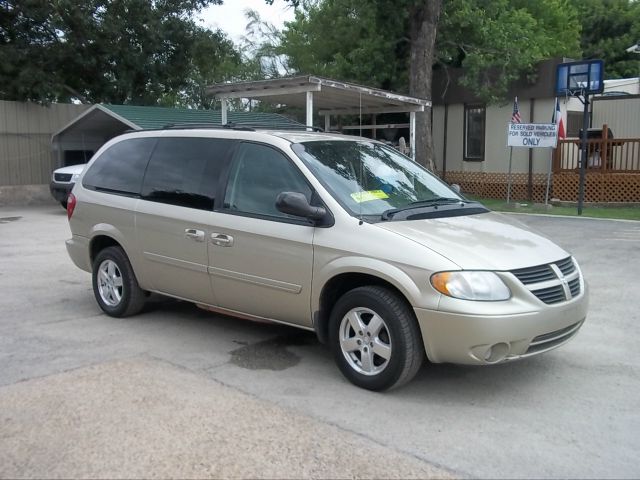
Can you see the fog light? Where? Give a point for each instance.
(496, 352)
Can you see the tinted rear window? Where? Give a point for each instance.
(185, 171)
(121, 167)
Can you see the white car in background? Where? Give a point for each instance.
(62, 182)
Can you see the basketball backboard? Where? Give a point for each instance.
(584, 77)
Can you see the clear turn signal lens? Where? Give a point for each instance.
(471, 285)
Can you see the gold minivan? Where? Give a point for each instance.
(336, 234)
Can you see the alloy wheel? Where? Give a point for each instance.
(365, 341)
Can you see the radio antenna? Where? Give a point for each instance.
(361, 180)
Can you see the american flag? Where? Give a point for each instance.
(515, 116)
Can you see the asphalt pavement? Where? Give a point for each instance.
(180, 392)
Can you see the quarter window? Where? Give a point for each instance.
(120, 168)
(259, 174)
(474, 128)
(185, 171)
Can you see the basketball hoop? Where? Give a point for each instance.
(581, 79)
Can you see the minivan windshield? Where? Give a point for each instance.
(369, 178)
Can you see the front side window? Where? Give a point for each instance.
(474, 128)
(120, 168)
(185, 171)
(368, 178)
(258, 175)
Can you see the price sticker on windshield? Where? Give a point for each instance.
(367, 196)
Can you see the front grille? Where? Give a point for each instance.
(566, 266)
(552, 283)
(552, 339)
(536, 274)
(550, 295)
(62, 177)
(574, 286)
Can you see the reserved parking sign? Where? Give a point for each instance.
(532, 135)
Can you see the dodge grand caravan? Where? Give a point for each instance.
(336, 234)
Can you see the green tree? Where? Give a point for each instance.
(213, 58)
(498, 41)
(350, 40)
(382, 43)
(609, 27)
(117, 51)
(396, 44)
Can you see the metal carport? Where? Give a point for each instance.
(330, 97)
(89, 131)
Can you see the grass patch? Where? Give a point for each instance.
(499, 205)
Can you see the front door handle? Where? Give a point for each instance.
(221, 239)
(193, 234)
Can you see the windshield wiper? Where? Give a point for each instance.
(436, 201)
(432, 202)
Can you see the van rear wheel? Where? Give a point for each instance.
(115, 285)
(375, 338)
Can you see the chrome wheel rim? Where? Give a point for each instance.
(110, 283)
(365, 341)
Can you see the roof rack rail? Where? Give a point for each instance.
(227, 126)
(279, 127)
(249, 127)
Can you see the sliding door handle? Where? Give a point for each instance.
(221, 239)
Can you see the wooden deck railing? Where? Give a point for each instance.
(619, 155)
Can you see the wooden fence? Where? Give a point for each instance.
(618, 155)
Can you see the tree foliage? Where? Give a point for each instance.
(396, 44)
(359, 40)
(609, 27)
(368, 40)
(117, 51)
(494, 41)
(497, 42)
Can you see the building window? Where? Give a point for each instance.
(574, 124)
(474, 127)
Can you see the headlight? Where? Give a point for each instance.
(75, 177)
(469, 285)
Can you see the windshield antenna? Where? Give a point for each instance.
(361, 167)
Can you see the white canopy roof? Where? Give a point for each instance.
(329, 97)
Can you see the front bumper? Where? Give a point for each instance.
(60, 191)
(487, 339)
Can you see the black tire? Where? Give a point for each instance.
(121, 300)
(402, 332)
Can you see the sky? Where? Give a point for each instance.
(230, 15)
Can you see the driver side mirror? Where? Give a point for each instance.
(294, 203)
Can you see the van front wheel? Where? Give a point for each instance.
(375, 338)
(115, 285)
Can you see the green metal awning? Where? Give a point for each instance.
(96, 125)
(159, 117)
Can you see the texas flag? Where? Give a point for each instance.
(557, 119)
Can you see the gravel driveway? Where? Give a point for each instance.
(179, 392)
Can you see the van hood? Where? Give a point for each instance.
(487, 241)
